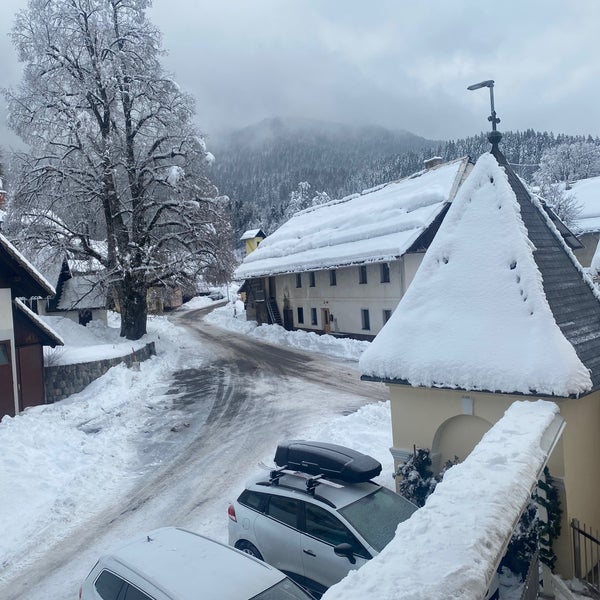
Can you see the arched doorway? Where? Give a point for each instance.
(457, 437)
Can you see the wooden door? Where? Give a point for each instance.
(326, 320)
(30, 370)
(7, 398)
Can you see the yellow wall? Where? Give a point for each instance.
(252, 244)
(452, 422)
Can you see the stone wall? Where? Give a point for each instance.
(63, 380)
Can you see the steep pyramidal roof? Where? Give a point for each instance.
(498, 304)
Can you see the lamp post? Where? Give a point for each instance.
(488, 83)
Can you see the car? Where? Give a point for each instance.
(318, 515)
(215, 295)
(175, 564)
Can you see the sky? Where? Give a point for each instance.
(403, 65)
(83, 456)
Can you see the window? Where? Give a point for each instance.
(311, 279)
(4, 354)
(132, 593)
(387, 313)
(254, 500)
(284, 510)
(313, 316)
(362, 274)
(329, 529)
(332, 277)
(298, 280)
(300, 314)
(385, 273)
(108, 585)
(366, 323)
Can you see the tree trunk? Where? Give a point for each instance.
(134, 308)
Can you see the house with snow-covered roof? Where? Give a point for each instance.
(587, 224)
(341, 267)
(22, 333)
(499, 310)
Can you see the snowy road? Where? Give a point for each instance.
(234, 398)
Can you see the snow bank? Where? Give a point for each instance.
(476, 316)
(450, 548)
(232, 317)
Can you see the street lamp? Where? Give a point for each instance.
(488, 83)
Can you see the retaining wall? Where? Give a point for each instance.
(63, 380)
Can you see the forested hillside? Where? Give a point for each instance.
(260, 167)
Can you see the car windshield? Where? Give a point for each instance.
(377, 515)
(286, 589)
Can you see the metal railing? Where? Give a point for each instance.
(586, 554)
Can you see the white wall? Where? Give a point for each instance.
(346, 299)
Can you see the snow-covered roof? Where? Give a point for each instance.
(252, 233)
(39, 323)
(587, 194)
(45, 287)
(377, 225)
(476, 315)
(451, 547)
(80, 292)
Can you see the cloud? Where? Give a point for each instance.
(395, 63)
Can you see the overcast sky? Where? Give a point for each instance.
(404, 65)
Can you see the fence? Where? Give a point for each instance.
(586, 554)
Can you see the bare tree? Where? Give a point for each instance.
(114, 156)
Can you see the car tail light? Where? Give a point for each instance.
(231, 513)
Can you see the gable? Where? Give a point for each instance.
(18, 274)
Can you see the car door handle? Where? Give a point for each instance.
(309, 552)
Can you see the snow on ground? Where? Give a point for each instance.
(233, 317)
(54, 475)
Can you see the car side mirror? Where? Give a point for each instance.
(345, 549)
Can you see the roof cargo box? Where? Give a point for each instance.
(329, 460)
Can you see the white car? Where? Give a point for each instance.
(318, 516)
(175, 564)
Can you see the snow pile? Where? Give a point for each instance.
(378, 225)
(95, 341)
(61, 463)
(450, 548)
(476, 316)
(232, 317)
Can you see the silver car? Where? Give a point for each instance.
(172, 563)
(316, 535)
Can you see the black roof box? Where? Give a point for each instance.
(330, 460)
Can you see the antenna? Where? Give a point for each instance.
(488, 83)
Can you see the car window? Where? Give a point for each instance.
(108, 585)
(283, 509)
(377, 515)
(286, 589)
(255, 500)
(328, 528)
(132, 593)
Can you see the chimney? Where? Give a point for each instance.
(434, 161)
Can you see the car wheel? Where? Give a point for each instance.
(249, 548)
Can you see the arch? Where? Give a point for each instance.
(457, 436)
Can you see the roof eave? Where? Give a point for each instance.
(533, 394)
